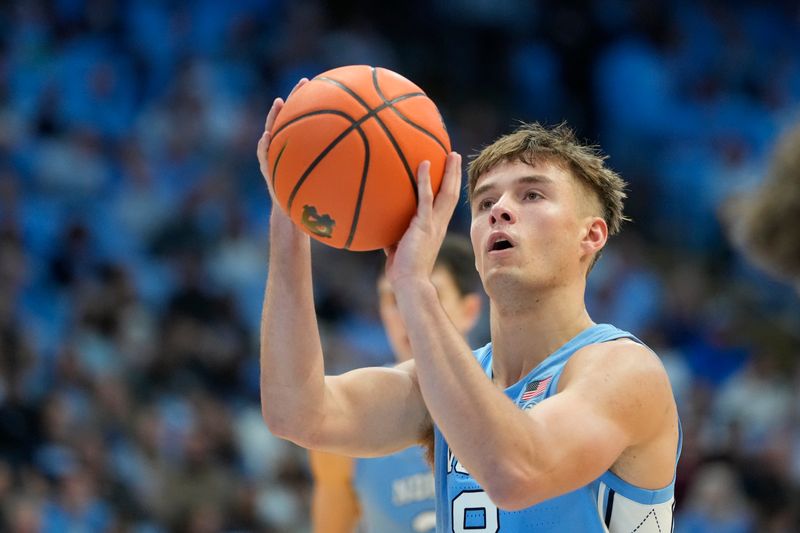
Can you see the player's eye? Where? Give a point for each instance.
(485, 204)
(532, 195)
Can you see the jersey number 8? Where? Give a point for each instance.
(473, 512)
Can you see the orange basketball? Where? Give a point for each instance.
(344, 155)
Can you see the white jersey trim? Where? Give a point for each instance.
(620, 514)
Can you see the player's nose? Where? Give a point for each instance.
(502, 213)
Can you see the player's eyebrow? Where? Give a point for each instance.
(533, 178)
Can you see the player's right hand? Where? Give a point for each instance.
(263, 147)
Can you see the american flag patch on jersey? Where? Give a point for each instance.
(534, 388)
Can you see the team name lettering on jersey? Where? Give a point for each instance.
(414, 488)
(454, 463)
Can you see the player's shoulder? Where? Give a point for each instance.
(408, 369)
(622, 361)
(623, 351)
(626, 380)
(406, 366)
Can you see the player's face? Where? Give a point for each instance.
(528, 222)
(453, 302)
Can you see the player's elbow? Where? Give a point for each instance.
(276, 422)
(282, 424)
(509, 498)
(288, 422)
(514, 489)
(512, 498)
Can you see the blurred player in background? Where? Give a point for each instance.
(559, 424)
(766, 225)
(395, 493)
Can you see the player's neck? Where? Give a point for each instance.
(522, 337)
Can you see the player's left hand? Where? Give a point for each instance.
(415, 255)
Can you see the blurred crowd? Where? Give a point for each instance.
(133, 236)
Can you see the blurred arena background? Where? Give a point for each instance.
(133, 235)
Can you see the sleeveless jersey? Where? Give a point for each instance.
(396, 493)
(607, 504)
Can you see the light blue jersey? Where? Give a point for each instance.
(608, 504)
(396, 493)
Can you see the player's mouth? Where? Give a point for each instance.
(499, 242)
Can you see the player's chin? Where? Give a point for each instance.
(500, 262)
(518, 279)
(499, 259)
(500, 276)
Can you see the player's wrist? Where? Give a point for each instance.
(283, 232)
(413, 286)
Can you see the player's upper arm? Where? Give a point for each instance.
(613, 397)
(371, 411)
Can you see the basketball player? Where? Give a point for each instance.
(559, 424)
(394, 493)
(765, 224)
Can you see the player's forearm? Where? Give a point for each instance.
(334, 509)
(334, 504)
(484, 429)
(292, 371)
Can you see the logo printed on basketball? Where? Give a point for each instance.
(319, 225)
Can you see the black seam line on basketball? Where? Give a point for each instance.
(361, 189)
(400, 154)
(311, 114)
(355, 125)
(386, 103)
(296, 119)
(278, 160)
(372, 111)
(401, 115)
(355, 95)
(419, 128)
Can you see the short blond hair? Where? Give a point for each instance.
(768, 229)
(533, 143)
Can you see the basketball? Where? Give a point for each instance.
(344, 153)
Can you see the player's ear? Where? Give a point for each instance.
(471, 310)
(595, 235)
